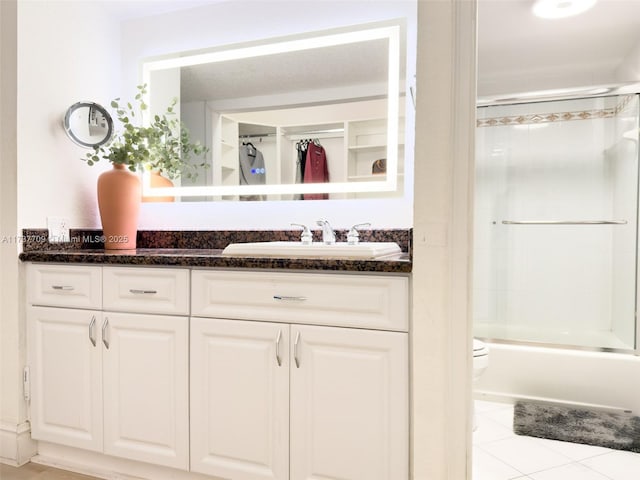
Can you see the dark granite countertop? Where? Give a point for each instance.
(214, 258)
(166, 255)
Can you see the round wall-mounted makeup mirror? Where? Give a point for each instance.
(88, 124)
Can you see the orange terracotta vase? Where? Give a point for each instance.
(119, 192)
(157, 181)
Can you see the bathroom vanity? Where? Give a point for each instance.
(207, 366)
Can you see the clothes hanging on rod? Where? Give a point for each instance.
(252, 169)
(301, 148)
(301, 158)
(316, 169)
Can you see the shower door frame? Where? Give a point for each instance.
(635, 350)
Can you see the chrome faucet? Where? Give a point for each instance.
(306, 238)
(353, 237)
(328, 235)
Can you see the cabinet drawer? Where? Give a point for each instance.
(365, 301)
(146, 290)
(64, 286)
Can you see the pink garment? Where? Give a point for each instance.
(315, 170)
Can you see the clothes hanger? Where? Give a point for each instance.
(252, 149)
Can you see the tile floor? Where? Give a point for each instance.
(500, 454)
(32, 471)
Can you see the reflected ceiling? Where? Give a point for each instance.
(358, 63)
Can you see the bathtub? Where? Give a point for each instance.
(578, 377)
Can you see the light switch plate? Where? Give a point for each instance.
(58, 229)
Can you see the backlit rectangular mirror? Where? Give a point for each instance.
(315, 116)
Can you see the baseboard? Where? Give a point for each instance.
(107, 467)
(16, 445)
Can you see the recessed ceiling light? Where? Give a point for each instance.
(561, 8)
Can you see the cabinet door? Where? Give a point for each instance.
(66, 376)
(145, 365)
(349, 404)
(239, 399)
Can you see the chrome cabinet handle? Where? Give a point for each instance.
(63, 287)
(104, 333)
(137, 291)
(286, 298)
(295, 350)
(92, 337)
(278, 338)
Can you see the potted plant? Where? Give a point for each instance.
(164, 147)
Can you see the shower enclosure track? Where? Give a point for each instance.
(564, 222)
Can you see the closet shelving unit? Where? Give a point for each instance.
(352, 145)
(367, 142)
(226, 170)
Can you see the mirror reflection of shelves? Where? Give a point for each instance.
(226, 149)
(353, 136)
(367, 153)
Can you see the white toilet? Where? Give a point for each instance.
(480, 358)
(480, 364)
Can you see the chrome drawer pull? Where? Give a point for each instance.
(136, 291)
(295, 350)
(285, 298)
(62, 287)
(92, 337)
(278, 359)
(104, 333)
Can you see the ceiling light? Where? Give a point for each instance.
(561, 8)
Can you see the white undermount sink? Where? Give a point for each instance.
(362, 250)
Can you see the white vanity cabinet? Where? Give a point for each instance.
(66, 376)
(284, 388)
(65, 358)
(145, 384)
(104, 378)
(239, 399)
(241, 375)
(349, 404)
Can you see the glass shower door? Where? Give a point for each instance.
(556, 208)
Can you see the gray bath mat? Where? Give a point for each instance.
(578, 425)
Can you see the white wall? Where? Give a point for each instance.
(443, 227)
(68, 51)
(12, 352)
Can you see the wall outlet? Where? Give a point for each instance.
(58, 229)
